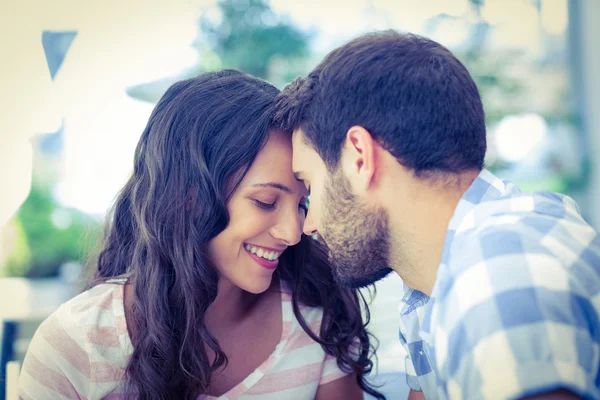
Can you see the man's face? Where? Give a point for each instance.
(356, 235)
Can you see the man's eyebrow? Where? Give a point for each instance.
(274, 185)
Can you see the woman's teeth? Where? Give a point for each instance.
(260, 252)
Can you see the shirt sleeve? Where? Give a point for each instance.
(514, 322)
(55, 366)
(78, 352)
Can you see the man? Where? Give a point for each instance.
(502, 288)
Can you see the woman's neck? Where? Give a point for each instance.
(231, 306)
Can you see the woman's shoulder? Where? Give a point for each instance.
(84, 345)
(98, 307)
(93, 321)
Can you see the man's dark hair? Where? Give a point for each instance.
(412, 94)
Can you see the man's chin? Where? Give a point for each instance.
(358, 282)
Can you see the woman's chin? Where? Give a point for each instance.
(258, 285)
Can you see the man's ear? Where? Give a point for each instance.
(359, 158)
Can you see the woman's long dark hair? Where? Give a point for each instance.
(201, 139)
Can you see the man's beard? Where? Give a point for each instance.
(358, 238)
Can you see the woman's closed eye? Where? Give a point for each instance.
(303, 205)
(263, 205)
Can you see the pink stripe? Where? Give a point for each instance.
(50, 378)
(298, 342)
(301, 338)
(106, 372)
(62, 342)
(287, 329)
(315, 326)
(121, 325)
(287, 379)
(103, 336)
(102, 301)
(118, 294)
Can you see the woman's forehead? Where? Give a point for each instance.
(273, 163)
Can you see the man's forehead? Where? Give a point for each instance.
(300, 151)
(298, 146)
(300, 143)
(304, 157)
(298, 136)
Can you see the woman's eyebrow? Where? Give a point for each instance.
(275, 185)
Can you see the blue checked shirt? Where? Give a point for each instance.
(515, 310)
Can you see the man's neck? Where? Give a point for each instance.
(420, 228)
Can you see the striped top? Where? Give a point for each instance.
(81, 352)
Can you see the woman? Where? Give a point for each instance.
(205, 287)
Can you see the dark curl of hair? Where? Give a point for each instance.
(201, 139)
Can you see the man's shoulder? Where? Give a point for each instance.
(536, 250)
(518, 206)
(523, 223)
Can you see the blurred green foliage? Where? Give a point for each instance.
(248, 35)
(49, 235)
(19, 259)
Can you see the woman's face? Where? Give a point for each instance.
(266, 214)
